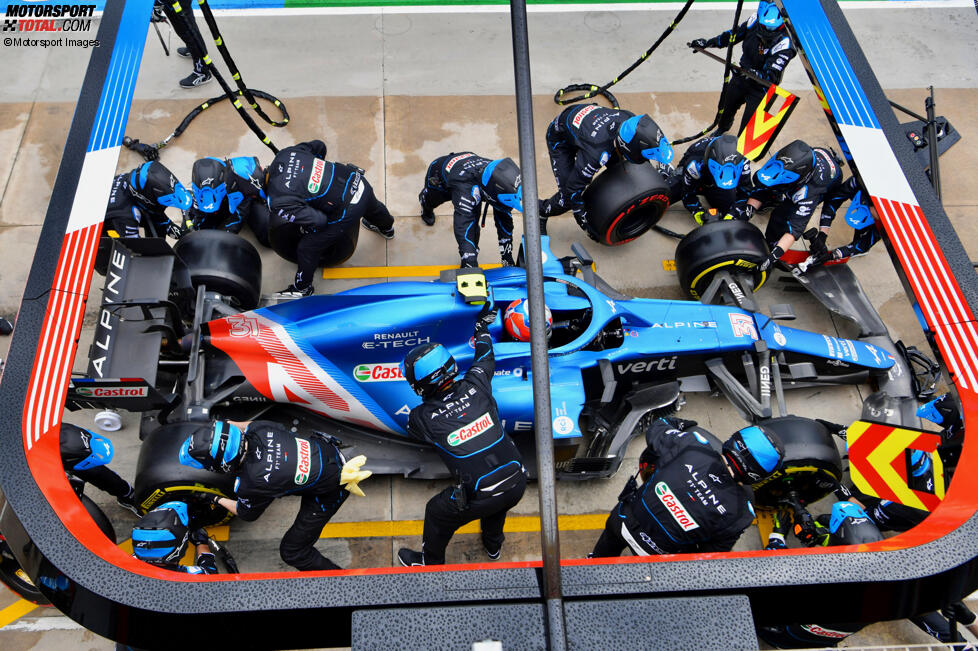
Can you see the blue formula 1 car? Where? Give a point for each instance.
(331, 362)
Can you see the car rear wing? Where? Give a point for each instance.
(135, 313)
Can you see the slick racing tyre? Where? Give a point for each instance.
(160, 477)
(734, 245)
(624, 201)
(284, 238)
(812, 464)
(16, 578)
(224, 262)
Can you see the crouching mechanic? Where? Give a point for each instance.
(692, 498)
(461, 420)
(586, 137)
(271, 461)
(712, 167)
(86, 456)
(326, 200)
(161, 536)
(794, 182)
(139, 198)
(467, 180)
(228, 194)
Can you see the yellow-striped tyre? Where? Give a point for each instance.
(736, 246)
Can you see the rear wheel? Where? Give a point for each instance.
(812, 464)
(160, 477)
(736, 246)
(226, 263)
(624, 201)
(284, 239)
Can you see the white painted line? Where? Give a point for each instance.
(37, 624)
(878, 166)
(673, 7)
(94, 184)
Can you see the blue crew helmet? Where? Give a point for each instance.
(769, 16)
(153, 183)
(503, 182)
(82, 449)
(208, 184)
(218, 447)
(640, 139)
(161, 535)
(753, 453)
(725, 163)
(794, 162)
(428, 368)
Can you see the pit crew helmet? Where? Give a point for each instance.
(640, 139)
(161, 535)
(725, 163)
(769, 16)
(208, 184)
(850, 525)
(503, 182)
(793, 163)
(154, 184)
(428, 368)
(858, 216)
(218, 448)
(516, 320)
(920, 463)
(753, 453)
(82, 449)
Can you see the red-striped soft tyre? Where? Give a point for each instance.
(624, 201)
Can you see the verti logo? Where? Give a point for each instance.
(676, 510)
(316, 177)
(377, 372)
(470, 431)
(304, 462)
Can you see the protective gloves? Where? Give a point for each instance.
(782, 524)
(175, 231)
(698, 43)
(773, 257)
(199, 536)
(487, 315)
(351, 475)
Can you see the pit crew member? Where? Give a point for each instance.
(271, 461)
(714, 169)
(229, 194)
(692, 498)
(767, 49)
(468, 180)
(586, 137)
(325, 200)
(161, 536)
(139, 198)
(794, 182)
(181, 18)
(460, 419)
(85, 456)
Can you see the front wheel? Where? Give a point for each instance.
(812, 464)
(733, 245)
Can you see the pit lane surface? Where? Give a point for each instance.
(392, 90)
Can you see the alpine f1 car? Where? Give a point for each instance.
(183, 326)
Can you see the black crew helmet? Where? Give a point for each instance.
(725, 163)
(208, 183)
(793, 163)
(219, 447)
(161, 535)
(154, 184)
(640, 139)
(850, 525)
(503, 182)
(82, 449)
(753, 453)
(428, 368)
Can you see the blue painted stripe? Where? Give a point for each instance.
(842, 90)
(116, 100)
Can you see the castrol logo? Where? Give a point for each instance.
(470, 431)
(679, 514)
(583, 113)
(316, 178)
(304, 461)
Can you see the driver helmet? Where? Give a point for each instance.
(793, 163)
(161, 535)
(769, 17)
(516, 320)
(503, 182)
(208, 184)
(428, 368)
(753, 453)
(850, 525)
(218, 447)
(82, 449)
(154, 184)
(640, 139)
(725, 163)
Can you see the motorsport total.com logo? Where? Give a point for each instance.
(48, 18)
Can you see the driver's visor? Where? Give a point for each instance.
(774, 173)
(662, 153)
(727, 175)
